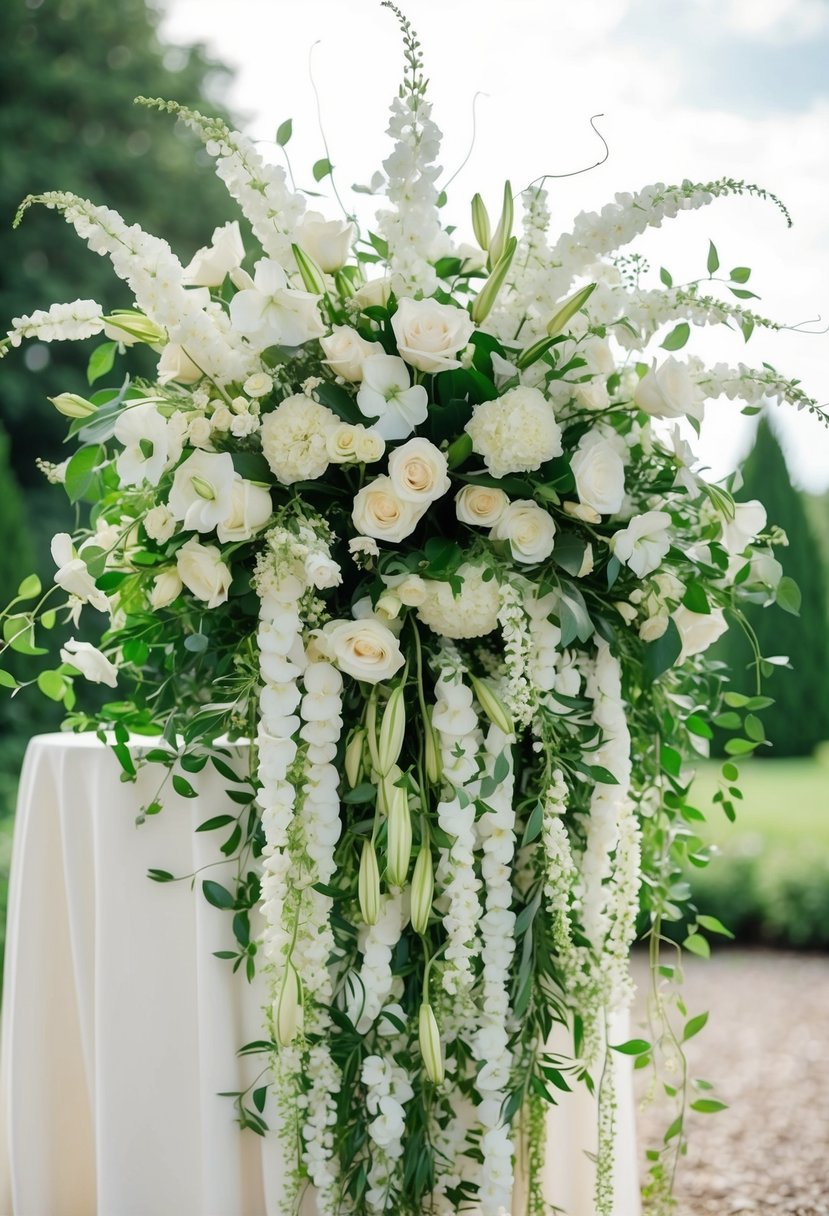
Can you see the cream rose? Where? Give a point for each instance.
(174, 364)
(346, 352)
(481, 506)
(599, 472)
(373, 294)
(698, 630)
(366, 650)
(203, 572)
(369, 445)
(327, 241)
(381, 513)
(322, 571)
(528, 529)
(166, 588)
(159, 524)
(429, 335)
(250, 510)
(418, 472)
(669, 392)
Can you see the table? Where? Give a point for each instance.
(120, 1027)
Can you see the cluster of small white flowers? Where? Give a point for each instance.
(545, 641)
(530, 303)
(645, 311)
(412, 230)
(518, 652)
(388, 1089)
(320, 1119)
(750, 384)
(496, 828)
(371, 990)
(61, 323)
(624, 885)
(560, 870)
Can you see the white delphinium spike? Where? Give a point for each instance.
(70, 322)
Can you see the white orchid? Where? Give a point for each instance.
(388, 395)
(270, 313)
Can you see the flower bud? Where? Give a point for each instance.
(569, 309)
(309, 271)
(288, 1007)
(423, 889)
(484, 300)
(430, 1048)
(127, 326)
(386, 789)
(371, 730)
(368, 886)
(492, 705)
(72, 406)
(503, 232)
(434, 764)
(480, 222)
(399, 837)
(354, 756)
(392, 731)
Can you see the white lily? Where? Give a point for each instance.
(388, 395)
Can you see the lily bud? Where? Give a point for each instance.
(354, 756)
(434, 763)
(368, 886)
(492, 705)
(371, 730)
(504, 230)
(430, 1048)
(309, 271)
(399, 837)
(484, 300)
(72, 406)
(288, 1007)
(529, 354)
(127, 326)
(480, 222)
(423, 889)
(387, 791)
(392, 731)
(569, 309)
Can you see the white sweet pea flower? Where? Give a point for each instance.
(698, 630)
(250, 510)
(388, 395)
(429, 335)
(272, 314)
(175, 364)
(749, 520)
(418, 472)
(644, 542)
(380, 512)
(327, 241)
(668, 391)
(203, 572)
(599, 472)
(73, 575)
(145, 436)
(365, 649)
(210, 265)
(346, 352)
(481, 506)
(528, 529)
(89, 661)
(202, 492)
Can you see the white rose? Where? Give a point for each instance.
(578, 510)
(328, 242)
(210, 265)
(749, 520)
(369, 445)
(203, 572)
(411, 590)
(644, 542)
(166, 588)
(528, 529)
(73, 575)
(202, 490)
(654, 627)
(341, 443)
(346, 352)
(159, 524)
(175, 364)
(373, 294)
(379, 512)
(698, 630)
(418, 472)
(599, 472)
(89, 661)
(322, 571)
(515, 433)
(593, 395)
(481, 506)
(198, 431)
(363, 546)
(429, 335)
(258, 385)
(250, 510)
(669, 392)
(365, 649)
(221, 419)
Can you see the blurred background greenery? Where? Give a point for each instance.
(69, 70)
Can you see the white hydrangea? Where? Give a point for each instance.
(295, 439)
(473, 613)
(515, 433)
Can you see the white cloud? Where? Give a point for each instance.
(772, 20)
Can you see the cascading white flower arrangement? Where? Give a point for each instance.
(434, 542)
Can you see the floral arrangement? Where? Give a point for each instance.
(435, 542)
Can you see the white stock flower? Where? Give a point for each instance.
(418, 472)
(698, 630)
(364, 649)
(668, 391)
(481, 506)
(429, 335)
(73, 575)
(473, 613)
(147, 447)
(175, 364)
(599, 472)
(388, 395)
(89, 661)
(210, 265)
(327, 241)
(166, 588)
(159, 524)
(749, 520)
(250, 510)
(380, 512)
(294, 439)
(346, 352)
(201, 495)
(515, 433)
(528, 529)
(203, 572)
(271, 314)
(644, 542)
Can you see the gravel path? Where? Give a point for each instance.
(766, 1047)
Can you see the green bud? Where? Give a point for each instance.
(482, 304)
(203, 488)
(492, 705)
(392, 731)
(387, 791)
(423, 889)
(354, 756)
(288, 1007)
(504, 230)
(530, 354)
(399, 837)
(480, 222)
(434, 763)
(72, 406)
(368, 886)
(371, 730)
(569, 309)
(430, 1048)
(310, 273)
(128, 326)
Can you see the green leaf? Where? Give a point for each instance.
(19, 634)
(260, 1097)
(7, 680)
(30, 588)
(788, 595)
(678, 336)
(183, 787)
(713, 263)
(633, 1047)
(714, 925)
(698, 726)
(694, 1026)
(696, 944)
(740, 274)
(739, 747)
(218, 821)
(665, 276)
(81, 470)
(52, 684)
(321, 169)
(742, 294)
(284, 132)
(217, 895)
(196, 643)
(708, 1106)
(695, 599)
(674, 1129)
(361, 793)
(737, 700)
(533, 829)
(664, 652)
(160, 876)
(754, 728)
(101, 361)
(728, 721)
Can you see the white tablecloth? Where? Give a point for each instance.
(120, 1027)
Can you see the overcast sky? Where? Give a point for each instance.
(688, 88)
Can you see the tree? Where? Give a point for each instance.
(799, 719)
